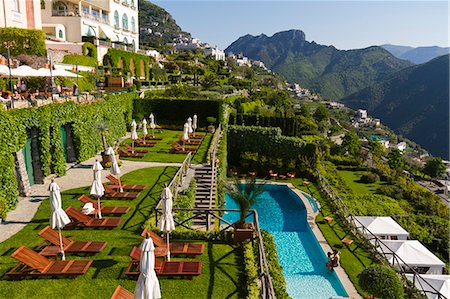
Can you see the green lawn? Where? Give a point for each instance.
(160, 152)
(221, 271)
(351, 178)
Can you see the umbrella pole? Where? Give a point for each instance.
(133, 146)
(168, 247)
(99, 208)
(153, 133)
(63, 257)
(120, 183)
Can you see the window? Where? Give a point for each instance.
(90, 31)
(125, 41)
(124, 21)
(133, 24)
(59, 9)
(116, 19)
(133, 44)
(60, 34)
(15, 5)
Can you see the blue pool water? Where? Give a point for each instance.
(312, 202)
(282, 213)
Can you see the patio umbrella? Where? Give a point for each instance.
(58, 217)
(4, 70)
(134, 134)
(185, 136)
(25, 71)
(152, 123)
(189, 122)
(64, 73)
(194, 123)
(115, 169)
(166, 223)
(147, 286)
(144, 128)
(97, 189)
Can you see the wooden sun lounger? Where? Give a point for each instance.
(176, 248)
(152, 137)
(111, 193)
(144, 143)
(196, 136)
(181, 150)
(69, 246)
(124, 153)
(34, 264)
(115, 184)
(130, 149)
(122, 293)
(190, 142)
(104, 209)
(178, 268)
(81, 220)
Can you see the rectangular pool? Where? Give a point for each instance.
(282, 213)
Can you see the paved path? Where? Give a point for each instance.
(79, 175)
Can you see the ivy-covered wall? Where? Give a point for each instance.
(22, 41)
(115, 57)
(116, 110)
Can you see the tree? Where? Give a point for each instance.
(351, 144)
(245, 194)
(103, 128)
(395, 157)
(434, 167)
(376, 148)
(321, 113)
(381, 281)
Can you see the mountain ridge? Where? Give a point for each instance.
(416, 55)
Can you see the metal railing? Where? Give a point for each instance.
(356, 227)
(267, 290)
(213, 164)
(178, 180)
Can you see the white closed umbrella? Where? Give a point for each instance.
(97, 189)
(115, 169)
(58, 217)
(189, 122)
(144, 128)
(134, 134)
(194, 123)
(166, 223)
(185, 136)
(147, 286)
(152, 123)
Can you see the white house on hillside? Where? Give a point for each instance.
(215, 52)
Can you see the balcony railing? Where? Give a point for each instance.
(125, 3)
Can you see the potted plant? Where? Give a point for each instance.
(245, 194)
(103, 128)
(211, 127)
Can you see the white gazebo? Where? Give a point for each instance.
(385, 228)
(411, 253)
(430, 283)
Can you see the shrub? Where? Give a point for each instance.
(89, 50)
(251, 271)
(186, 199)
(369, 178)
(373, 204)
(22, 41)
(75, 59)
(3, 208)
(381, 281)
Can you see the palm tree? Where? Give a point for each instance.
(245, 193)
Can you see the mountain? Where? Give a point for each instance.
(416, 55)
(157, 27)
(414, 103)
(331, 72)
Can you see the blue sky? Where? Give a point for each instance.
(344, 24)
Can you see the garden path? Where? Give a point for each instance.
(78, 175)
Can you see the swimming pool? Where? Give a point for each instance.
(282, 213)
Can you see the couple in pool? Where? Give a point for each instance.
(333, 260)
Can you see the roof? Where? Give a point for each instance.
(385, 226)
(440, 283)
(412, 252)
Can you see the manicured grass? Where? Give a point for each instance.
(160, 152)
(351, 178)
(354, 259)
(221, 271)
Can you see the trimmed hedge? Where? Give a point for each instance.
(22, 41)
(269, 149)
(14, 124)
(250, 271)
(382, 282)
(89, 50)
(75, 59)
(113, 57)
(186, 199)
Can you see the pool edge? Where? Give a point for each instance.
(310, 217)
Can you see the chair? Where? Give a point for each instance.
(144, 143)
(116, 184)
(347, 241)
(273, 175)
(69, 246)
(152, 137)
(111, 193)
(122, 293)
(189, 249)
(105, 210)
(131, 149)
(197, 136)
(34, 264)
(178, 268)
(179, 149)
(291, 174)
(82, 220)
(125, 153)
(191, 142)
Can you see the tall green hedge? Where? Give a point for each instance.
(22, 41)
(113, 57)
(80, 60)
(269, 149)
(174, 112)
(115, 110)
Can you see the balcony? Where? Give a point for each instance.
(125, 3)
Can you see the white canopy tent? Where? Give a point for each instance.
(411, 253)
(384, 228)
(427, 283)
